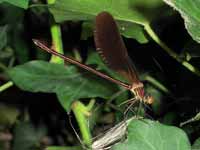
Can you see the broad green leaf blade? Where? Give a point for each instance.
(150, 135)
(63, 10)
(87, 9)
(67, 82)
(127, 29)
(196, 144)
(128, 11)
(64, 148)
(149, 8)
(18, 3)
(147, 3)
(190, 11)
(132, 30)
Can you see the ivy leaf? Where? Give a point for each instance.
(190, 11)
(196, 144)
(18, 3)
(131, 13)
(87, 10)
(63, 148)
(129, 30)
(150, 135)
(67, 82)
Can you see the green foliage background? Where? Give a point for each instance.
(168, 65)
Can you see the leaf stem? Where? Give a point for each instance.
(156, 83)
(81, 113)
(6, 86)
(195, 118)
(91, 104)
(77, 55)
(56, 38)
(174, 55)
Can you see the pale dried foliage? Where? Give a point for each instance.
(113, 135)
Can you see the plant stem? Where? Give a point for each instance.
(77, 55)
(51, 1)
(174, 55)
(56, 39)
(91, 104)
(2, 67)
(195, 118)
(81, 113)
(6, 86)
(57, 42)
(156, 83)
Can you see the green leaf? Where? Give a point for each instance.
(67, 82)
(190, 11)
(63, 10)
(147, 3)
(150, 135)
(132, 30)
(18, 3)
(64, 148)
(196, 144)
(149, 8)
(87, 9)
(129, 30)
(12, 35)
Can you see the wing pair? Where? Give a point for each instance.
(111, 48)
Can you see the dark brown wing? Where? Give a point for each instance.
(111, 47)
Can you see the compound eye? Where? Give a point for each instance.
(148, 99)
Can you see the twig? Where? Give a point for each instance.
(153, 35)
(6, 86)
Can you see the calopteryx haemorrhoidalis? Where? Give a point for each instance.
(110, 46)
